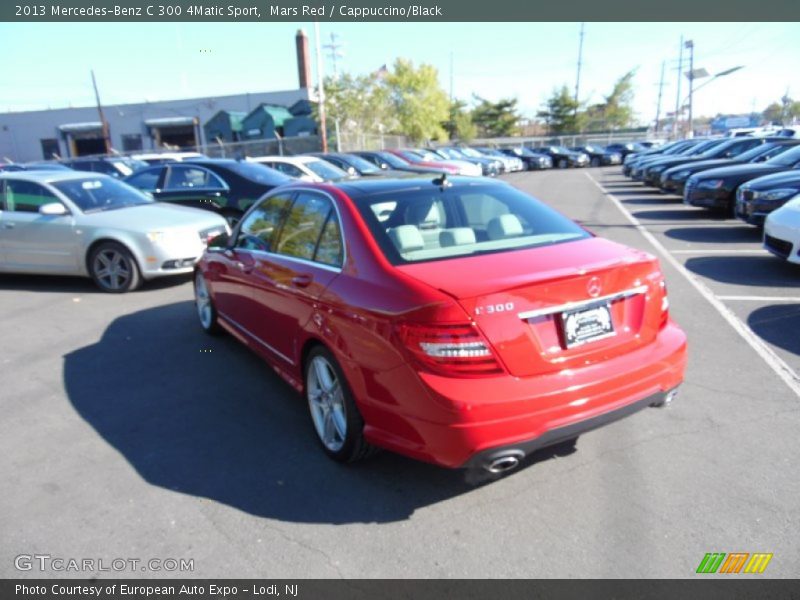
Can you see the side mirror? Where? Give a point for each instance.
(385, 166)
(53, 209)
(351, 170)
(219, 242)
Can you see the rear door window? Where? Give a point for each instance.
(308, 232)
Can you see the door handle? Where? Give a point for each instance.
(243, 267)
(301, 280)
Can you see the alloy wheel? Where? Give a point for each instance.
(326, 402)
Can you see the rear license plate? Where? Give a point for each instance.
(587, 325)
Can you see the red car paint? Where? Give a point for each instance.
(373, 314)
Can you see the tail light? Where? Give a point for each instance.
(452, 349)
(664, 304)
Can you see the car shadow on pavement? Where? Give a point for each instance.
(716, 235)
(680, 214)
(778, 324)
(761, 271)
(637, 199)
(76, 285)
(204, 416)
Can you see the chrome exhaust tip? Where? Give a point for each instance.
(668, 398)
(504, 463)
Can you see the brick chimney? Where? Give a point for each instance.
(303, 59)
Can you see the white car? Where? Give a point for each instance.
(782, 231)
(158, 158)
(306, 168)
(88, 224)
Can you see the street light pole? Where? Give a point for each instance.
(690, 45)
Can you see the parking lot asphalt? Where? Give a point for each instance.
(128, 433)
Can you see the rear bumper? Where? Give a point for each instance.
(472, 419)
(483, 460)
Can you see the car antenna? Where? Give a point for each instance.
(442, 181)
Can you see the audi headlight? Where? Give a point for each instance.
(778, 194)
(710, 184)
(681, 175)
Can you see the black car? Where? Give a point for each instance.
(624, 149)
(225, 186)
(723, 149)
(116, 166)
(599, 156)
(716, 188)
(353, 164)
(674, 178)
(388, 161)
(564, 157)
(533, 160)
(631, 160)
(688, 148)
(762, 195)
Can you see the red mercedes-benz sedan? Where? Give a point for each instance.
(454, 320)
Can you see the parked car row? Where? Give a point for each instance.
(33, 193)
(754, 178)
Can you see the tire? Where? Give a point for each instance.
(595, 162)
(113, 268)
(231, 216)
(562, 163)
(335, 418)
(204, 304)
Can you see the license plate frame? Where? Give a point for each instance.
(587, 324)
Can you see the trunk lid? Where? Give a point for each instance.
(525, 301)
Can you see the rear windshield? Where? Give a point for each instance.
(424, 224)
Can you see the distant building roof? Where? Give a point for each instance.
(279, 114)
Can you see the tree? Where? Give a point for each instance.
(784, 112)
(561, 112)
(358, 102)
(418, 102)
(460, 125)
(496, 119)
(617, 108)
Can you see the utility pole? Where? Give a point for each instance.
(321, 85)
(660, 91)
(451, 77)
(334, 55)
(678, 95)
(580, 62)
(690, 46)
(103, 122)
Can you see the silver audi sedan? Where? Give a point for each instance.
(77, 223)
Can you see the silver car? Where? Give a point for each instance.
(77, 223)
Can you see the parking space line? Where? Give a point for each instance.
(713, 251)
(769, 356)
(761, 298)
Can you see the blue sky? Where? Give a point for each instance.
(47, 64)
